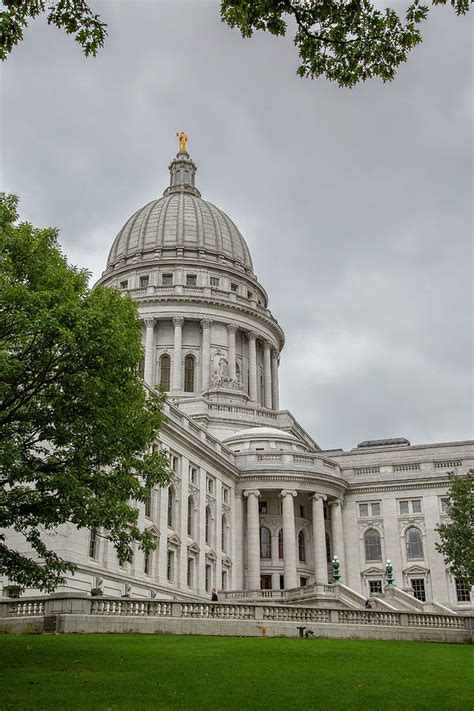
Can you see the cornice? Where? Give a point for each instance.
(399, 486)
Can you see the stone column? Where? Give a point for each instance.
(205, 352)
(238, 533)
(231, 331)
(267, 374)
(252, 366)
(319, 540)
(337, 534)
(177, 354)
(289, 539)
(253, 540)
(149, 351)
(275, 386)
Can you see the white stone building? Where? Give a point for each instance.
(255, 503)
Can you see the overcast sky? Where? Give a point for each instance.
(356, 204)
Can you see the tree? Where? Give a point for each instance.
(346, 41)
(76, 424)
(457, 540)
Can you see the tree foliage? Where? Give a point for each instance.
(347, 41)
(457, 539)
(76, 425)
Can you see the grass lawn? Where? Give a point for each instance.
(132, 672)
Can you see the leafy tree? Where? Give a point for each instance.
(346, 41)
(76, 425)
(457, 540)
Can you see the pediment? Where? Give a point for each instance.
(227, 563)
(193, 548)
(374, 570)
(153, 531)
(210, 555)
(416, 570)
(174, 540)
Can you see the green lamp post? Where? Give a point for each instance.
(335, 570)
(389, 574)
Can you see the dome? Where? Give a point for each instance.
(181, 222)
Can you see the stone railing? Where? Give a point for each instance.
(118, 606)
(23, 608)
(253, 594)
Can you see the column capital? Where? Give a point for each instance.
(149, 321)
(268, 345)
(288, 492)
(206, 322)
(336, 502)
(275, 353)
(252, 492)
(319, 497)
(251, 335)
(178, 320)
(232, 328)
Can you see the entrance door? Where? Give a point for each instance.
(265, 582)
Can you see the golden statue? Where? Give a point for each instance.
(183, 139)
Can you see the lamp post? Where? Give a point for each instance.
(335, 570)
(389, 574)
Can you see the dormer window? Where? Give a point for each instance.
(144, 281)
(233, 288)
(214, 281)
(167, 280)
(191, 279)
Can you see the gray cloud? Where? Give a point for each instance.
(356, 205)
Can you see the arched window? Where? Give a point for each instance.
(280, 543)
(414, 543)
(238, 372)
(265, 543)
(208, 524)
(189, 374)
(224, 533)
(165, 370)
(190, 516)
(171, 506)
(373, 547)
(328, 548)
(301, 547)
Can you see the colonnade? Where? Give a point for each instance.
(290, 558)
(270, 394)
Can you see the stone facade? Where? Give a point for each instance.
(254, 503)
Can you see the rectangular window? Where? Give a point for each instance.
(371, 508)
(167, 280)
(282, 582)
(444, 505)
(224, 580)
(375, 509)
(363, 510)
(410, 506)
(190, 572)
(170, 566)
(175, 463)
(249, 295)
(234, 288)
(93, 544)
(191, 279)
(301, 511)
(404, 507)
(210, 485)
(208, 578)
(148, 504)
(146, 563)
(375, 587)
(214, 281)
(418, 586)
(463, 591)
(193, 474)
(225, 495)
(144, 281)
(416, 506)
(262, 507)
(124, 284)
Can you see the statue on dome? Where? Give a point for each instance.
(183, 139)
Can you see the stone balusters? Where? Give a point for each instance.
(289, 538)
(149, 352)
(319, 539)
(177, 354)
(253, 540)
(205, 352)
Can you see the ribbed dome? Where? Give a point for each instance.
(181, 220)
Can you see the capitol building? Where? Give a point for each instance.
(255, 508)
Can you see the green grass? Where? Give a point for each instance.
(132, 672)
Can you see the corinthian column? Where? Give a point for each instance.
(289, 539)
(275, 387)
(205, 352)
(177, 355)
(231, 331)
(319, 540)
(252, 366)
(253, 540)
(337, 533)
(267, 374)
(149, 351)
(238, 534)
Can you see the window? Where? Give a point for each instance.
(190, 573)
(265, 543)
(234, 288)
(410, 506)
(444, 505)
(210, 485)
(375, 587)
(93, 544)
(167, 280)
(262, 507)
(190, 516)
(171, 500)
(373, 548)
(225, 495)
(328, 549)
(208, 577)
(170, 566)
(303, 582)
(191, 279)
(124, 284)
(175, 463)
(418, 586)
(189, 374)
(146, 563)
(282, 582)
(238, 372)
(370, 508)
(208, 524)
(463, 591)
(414, 543)
(301, 511)
(148, 504)
(224, 533)
(224, 580)
(249, 295)
(144, 281)
(301, 548)
(214, 281)
(280, 543)
(193, 475)
(165, 371)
